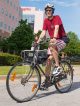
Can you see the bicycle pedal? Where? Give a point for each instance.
(43, 89)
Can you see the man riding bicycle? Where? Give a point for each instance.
(54, 26)
(25, 77)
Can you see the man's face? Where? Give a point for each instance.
(49, 12)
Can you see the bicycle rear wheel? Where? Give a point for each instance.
(64, 84)
(22, 82)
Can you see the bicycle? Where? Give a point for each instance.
(24, 78)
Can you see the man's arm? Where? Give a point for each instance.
(57, 23)
(55, 34)
(42, 36)
(56, 31)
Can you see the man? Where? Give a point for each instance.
(56, 32)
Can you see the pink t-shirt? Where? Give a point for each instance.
(50, 26)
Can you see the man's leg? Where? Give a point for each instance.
(48, 65)
(55, 55)
(46, 83)
(56, 48)
(57, 69)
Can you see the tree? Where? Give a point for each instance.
(21, 38)
(44, 45)
(38, 33)
(3, 45)
(73, 48)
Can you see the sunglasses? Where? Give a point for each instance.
(48, 10)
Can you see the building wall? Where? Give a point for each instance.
(10, 14)
(36, 14)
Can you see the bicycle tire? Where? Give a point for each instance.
(70, 72)
(15, 85)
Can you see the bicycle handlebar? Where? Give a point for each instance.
(45, 40)
(36, 45)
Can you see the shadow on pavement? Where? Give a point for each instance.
(38, 96)
(75, 86)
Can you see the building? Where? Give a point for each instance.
(10, 14)
(34, 17)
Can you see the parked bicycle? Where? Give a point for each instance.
(25, 78)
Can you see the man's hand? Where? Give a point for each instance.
(53, 40)
(41, 36)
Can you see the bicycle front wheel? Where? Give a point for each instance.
(23, 82)
(66, 79)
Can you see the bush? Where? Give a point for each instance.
(9, 59)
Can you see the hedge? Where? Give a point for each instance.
(8, 59)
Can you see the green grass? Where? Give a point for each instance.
(4, 70)
(19, 69)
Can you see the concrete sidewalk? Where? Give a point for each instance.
(45, 98)
(3, 77)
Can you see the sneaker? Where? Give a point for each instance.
(43, 86)
(57, 70)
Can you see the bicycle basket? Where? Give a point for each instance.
(41, 56)
(27, 55)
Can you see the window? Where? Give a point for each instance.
(20, 14)
(6, 13)
(17, 8)
(13, 17)
(9, 15)
(7, 1)
(30, 19)
(1, 24)
(14, 5)
(5, 26)
(2, 11)
(12, 29)
(9, 28)
(10, 3)
(16, 19)
(24, 17)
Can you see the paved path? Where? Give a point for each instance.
(47, 98)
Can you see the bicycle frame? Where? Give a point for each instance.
(38, 66)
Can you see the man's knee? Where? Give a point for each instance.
(53, 49)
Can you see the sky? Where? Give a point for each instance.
(69, 11)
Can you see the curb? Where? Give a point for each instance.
(3, 77)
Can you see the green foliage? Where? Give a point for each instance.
(20, 39)
(73, 48)
(42, 46)
(38, 34)
(3, 45)
(9, 59)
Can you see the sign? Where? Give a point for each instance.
(26, 9)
